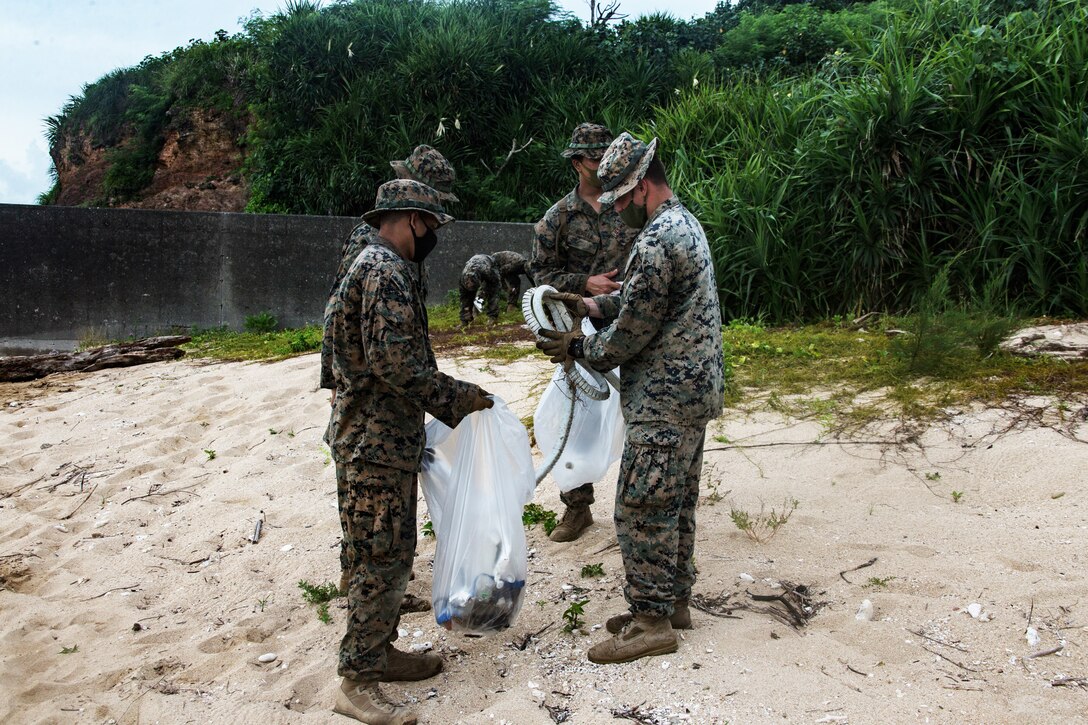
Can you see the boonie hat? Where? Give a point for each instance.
(407, 195)
(426, 165)
(589, 140)
(623, 166)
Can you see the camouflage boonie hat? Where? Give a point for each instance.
(407, 195)
(589, 140)
(623, 166)
(427, 166)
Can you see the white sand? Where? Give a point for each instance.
(83, 558)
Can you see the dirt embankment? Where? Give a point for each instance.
(197, 169)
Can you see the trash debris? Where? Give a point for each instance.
(865, 611)
(1032, 636)
(974, 609)
(747, 578)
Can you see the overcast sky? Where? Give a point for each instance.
(50, 48)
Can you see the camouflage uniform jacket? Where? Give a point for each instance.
(511, 264)
(362, 235)
(667, 335)
(480, 276)
(573, 242)
(384, 369)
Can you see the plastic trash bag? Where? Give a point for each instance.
(596, 433)
(477, 478)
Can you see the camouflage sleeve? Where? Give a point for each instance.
(609, 305)
(549, 262)
(643, 305)
(327, 380)
(394, 356)
(490, 290)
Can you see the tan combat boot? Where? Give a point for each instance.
(365, 702)
(680, 619)
(404, 667)
(412, 603)
(644, 637)
(573, 523)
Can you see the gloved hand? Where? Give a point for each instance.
(557, 344)
(483, 401)
(572, 301)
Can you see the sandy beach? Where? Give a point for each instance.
(130, 591)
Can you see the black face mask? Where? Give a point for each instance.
(424, 244)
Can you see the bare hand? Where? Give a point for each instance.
(602, 284)
(332, 397)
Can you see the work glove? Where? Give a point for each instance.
(573, 302)
(556, 345)
(482, 401)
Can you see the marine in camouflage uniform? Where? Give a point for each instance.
(574, 241)
(480, 276)
(386, 378)
(427, 165)
(512, 266)
(667, 337)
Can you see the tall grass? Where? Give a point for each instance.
(955, 139)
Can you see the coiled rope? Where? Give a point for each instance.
(541, 314)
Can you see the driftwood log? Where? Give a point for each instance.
(152, 349)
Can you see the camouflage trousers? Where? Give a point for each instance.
(580, 497)
(655, 514)
(468, 300)
(379, 519)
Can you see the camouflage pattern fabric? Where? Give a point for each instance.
(589, 140)
(667, 332)
(511, 267)
(380, 522)
(656, 496)
(479, 276)
(573, 242)
(359, 237)
(383, 365)
(426, 165)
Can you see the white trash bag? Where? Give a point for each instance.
(596, 433)
(477, 479)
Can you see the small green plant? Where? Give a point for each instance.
(935, 476)
(273, 431)
(304, 340)
(573, 615)
(762, 527)
(956, 496)
(428, 529)
(878, 582)
(590, 570)
(261, 323)
(262, 603)
(534, 513)
(210, 454)
(320, 595)
(324, 450)
(69, 650)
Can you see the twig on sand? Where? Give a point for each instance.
(860, 566)
(937, 641)
(948, 659)
(521, 644)
(558, 712)
(606, 547)
(77, 508)
(20, 489)
(1070, 682)
(719, 606)
(115, 589)
(1045, 652)
(183, 489)
(633, 714)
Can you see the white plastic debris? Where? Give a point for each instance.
(865, 611)
(1032, 636)
(421, 647)
(747, 578)
(267, 657)
(286, 547)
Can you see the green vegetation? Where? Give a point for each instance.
(592, 570)
(762, 527)
(69, 650)
(320, 595)
(261, 323)
(224, 344)
(572, 615)
(210, 454)
(878, 582)
(534, 514)
(957, 496)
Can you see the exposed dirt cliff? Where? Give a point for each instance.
(198, 167)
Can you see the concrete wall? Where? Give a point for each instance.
(67, 270)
